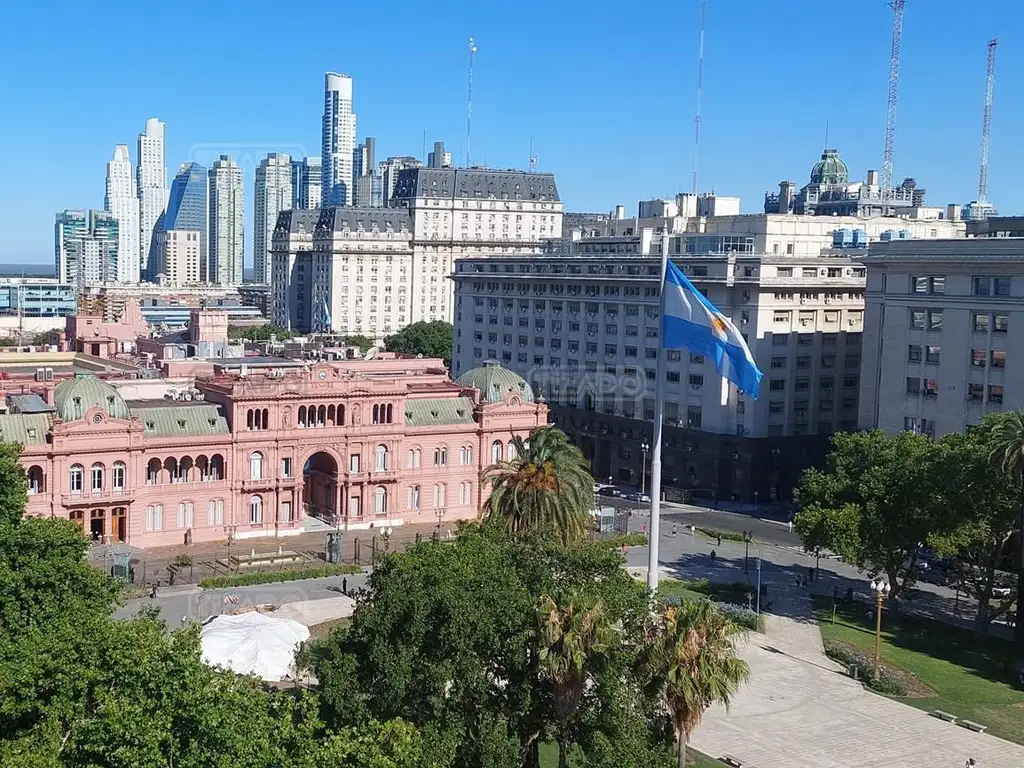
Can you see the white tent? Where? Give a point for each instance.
(253, 644)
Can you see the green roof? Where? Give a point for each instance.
(73, 397)
(495, 382)
(24, 428)
(438, 410)
(182, 421)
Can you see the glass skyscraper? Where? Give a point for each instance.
(188, 207)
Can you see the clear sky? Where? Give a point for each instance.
(605, 89)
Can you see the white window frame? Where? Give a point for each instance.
(381, 454)
(96, 478)
(440, 492)
(380, 500)
(76, 473)
(256, 465)
(186, 514)
(414, 497)
(497, 448)
(119, 475)
(353, 462)
(155, 517)
(286, 511)
(215, 512)
(255, 510)
(464, 493)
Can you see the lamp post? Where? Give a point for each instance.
(881, 588)
(748, 536)
(644, 448)
(386, 535)
(229, 532)
(439, 513)
(775, 474)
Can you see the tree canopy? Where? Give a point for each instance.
(430, 339)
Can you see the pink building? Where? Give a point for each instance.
(357, 443)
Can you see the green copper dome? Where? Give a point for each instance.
(73, 397)
(830, 169)
(496, 383)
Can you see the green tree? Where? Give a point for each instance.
(430, 339)
(875, 504)
(259, 332)
(694, 654)
(546, 486)
(13, 485)
(983, 504)
(1008, 454)
(357, 340)
(575, 635)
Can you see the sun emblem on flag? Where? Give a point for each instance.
(720, 326)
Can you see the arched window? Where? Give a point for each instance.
(35, 480)
(302, 415)
(216, 467)
(441, 457)
(321, 416)
(380, 500)
(171, 467)
(376, 414)
(96, 478)
(76, 478)
(382, 458)
(466, 455)
(255, 510)
(510, 451)
(153, 472)
(256, 466)
(266, 418)
(120, 476)
(496, 448)
(331, 415)
(439, 495)
(248, 419)
(414, 497)
(389, 414)
(185, 474)
(414, 458)
(341, 415)
(465, 490)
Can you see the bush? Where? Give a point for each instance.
(863, 667)
(624, 539)
(745, 617)
(251, 579)
(711, 533)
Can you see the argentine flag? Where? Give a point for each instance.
(689, 320)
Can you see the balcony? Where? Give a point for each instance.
(86, 498)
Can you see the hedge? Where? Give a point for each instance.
(711, 533)
(273, 577)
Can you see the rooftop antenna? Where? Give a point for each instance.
(826, 136)
(986, 121)
(469, 105)
(533, 158)
(700, 92)
(890, 113)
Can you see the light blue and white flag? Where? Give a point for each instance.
(690, 321)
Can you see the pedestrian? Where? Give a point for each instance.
(719, 539)
(810, 573)
(790, 524)
(713, 556)
(344, 586)
(673, 529)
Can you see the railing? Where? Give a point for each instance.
(89, 497)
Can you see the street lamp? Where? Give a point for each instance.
(439, 513)
(229, 532)
(775, 473)
(756, 494)
(748, 536)
(881, 588)
(386, 535)
(644, 448)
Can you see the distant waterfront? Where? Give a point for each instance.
(28, 270)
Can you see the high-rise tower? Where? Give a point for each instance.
(339, 141)
(122, 201)
(227, 205)
(152, 187)
(273, 194)
(189, 207)
(85, 247)
(306, 183)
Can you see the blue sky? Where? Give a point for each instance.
(606, 90)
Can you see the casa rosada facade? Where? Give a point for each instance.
(358, 444)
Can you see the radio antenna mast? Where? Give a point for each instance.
(469, 104)
(986, 121)
(700, 92)
(890, 113)
(533, 158)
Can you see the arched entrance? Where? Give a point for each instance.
(320, 487)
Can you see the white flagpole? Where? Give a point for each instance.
(659, 414)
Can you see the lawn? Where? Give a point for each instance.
(549, 758)
(733, 592)
(959, 672)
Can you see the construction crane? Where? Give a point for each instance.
(986, 120)
(469, 104)
(890, 113)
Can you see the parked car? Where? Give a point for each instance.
(642, 498)
(609, 490)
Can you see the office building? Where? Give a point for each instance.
(388, 170)
(188, 210)
(273, 194)
(369, 193)
(180, 254)
(439, 158)
(375, 270)
(152, 187)
(373, 444)
(36, 297)
(297, 299)
(306, 183)
(339, 141)
(227, 231)
(121, 200)
(86, 247)
(941, 319)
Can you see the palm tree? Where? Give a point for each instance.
(545, 486)
(693, 657)
(1007, 437)
(574, 636)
